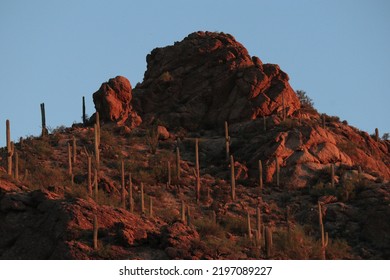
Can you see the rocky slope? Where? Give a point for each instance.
(189, 90)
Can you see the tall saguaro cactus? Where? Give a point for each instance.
(142, 199)
(84, 114)
(95, 183)
(178, 171)
(10, 150)
(283, 107)
(376, 135)
(332, 175)
(258, 224)
(260, 176)
(97, 152)
(70, 169)
(277, 171)
(90, 176)
(43, 117)
(197, 172)
(74, 148)
(268, 241)
(131, 200)
(183, 211)
(232, 178)
(264, 123)
(227, 141)
(123, 197)
(248, 224)
(324, 235)
(95, 232)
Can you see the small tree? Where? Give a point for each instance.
(305, 100)
(386, 136)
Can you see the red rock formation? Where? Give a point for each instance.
(112, 101)
(209, 78)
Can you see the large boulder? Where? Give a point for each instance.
(209, 78)
(112, 101)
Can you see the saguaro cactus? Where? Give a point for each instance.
(131, 200)
(95, 232)
(376, 134)
(324, 236)
(90, 176)
(188, 216)
(277, 171)
(260, 176)
(10, 151)
(123, 197)
(227, 141)
(332, 175)
(97, 152)
(43, 116)
(98, 126)
(95, 181)
(84, 115)
(268, 241)
(178, 163)
(183, 211)
(232, 178)
(264, 123)
(258, 224)
(142, 199)
(283, 107)
(70, 169)
(197, 172)
(74, 147)
(323, 121)
(213, 217)
(360, 173)
(248, 224)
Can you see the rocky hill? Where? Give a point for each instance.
(220, 147)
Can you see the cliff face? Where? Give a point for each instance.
(209, 78)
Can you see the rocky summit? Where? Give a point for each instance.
(212, 156)
(207, 79)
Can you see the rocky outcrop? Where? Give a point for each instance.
(112, 101)
(209, 78)
(44, 225)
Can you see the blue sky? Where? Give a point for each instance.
(57, 51)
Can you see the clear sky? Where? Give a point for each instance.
(57, 51)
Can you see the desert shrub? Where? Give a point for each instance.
(205, 227)
(78, 191)
(295, 244)
(234, 225)
(346, 190)
(151, 139)
(166, 77)
(321, 189)
(44, 176)
(41, 147)
(339, 249)
(107, 137)
(306, 101)
(289, 123)
(331, 118)
(385, 136)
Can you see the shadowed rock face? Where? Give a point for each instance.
(209, 78)
(112, 101)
